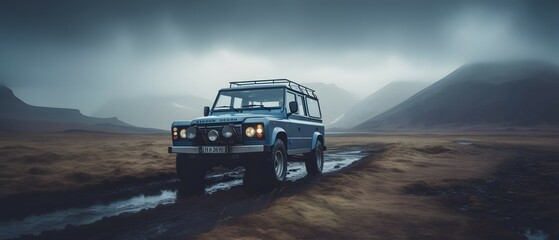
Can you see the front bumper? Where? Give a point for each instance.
(231, 149)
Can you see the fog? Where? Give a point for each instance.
(79, 54)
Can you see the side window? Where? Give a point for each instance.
(300, 101)
(314, 109)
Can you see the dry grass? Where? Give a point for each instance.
(374, 202)
(390, 197)
(31, 163)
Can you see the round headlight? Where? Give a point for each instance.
(191, 132)
(250, 132)
(183, 133)
(212, 135)
(227, 131)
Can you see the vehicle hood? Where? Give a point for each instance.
(228, 118)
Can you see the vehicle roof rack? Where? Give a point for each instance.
(290, 84)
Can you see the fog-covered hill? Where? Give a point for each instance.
(494, 95)
(378, 102)
(16, 115)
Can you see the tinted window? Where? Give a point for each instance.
(314, 109)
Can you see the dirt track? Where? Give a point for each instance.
(187, 216)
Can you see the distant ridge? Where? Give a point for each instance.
(16, 115)
(378, 102)
(480, 96)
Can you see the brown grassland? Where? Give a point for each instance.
(425, 186)
(52, 162)
(449, 185)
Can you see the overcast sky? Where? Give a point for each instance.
(79, 54)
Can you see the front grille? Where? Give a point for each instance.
(202, 136)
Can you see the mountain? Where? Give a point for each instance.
(16, 115)
(154, 111)
(385, 98)
(480, 96)
(334, 101)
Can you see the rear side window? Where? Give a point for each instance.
(314, 109)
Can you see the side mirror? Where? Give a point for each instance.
(206, 111)
(293, 107)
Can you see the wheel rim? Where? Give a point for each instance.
(278, 164)
(319, 158)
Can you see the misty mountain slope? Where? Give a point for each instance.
(334, 101)
(12, 107)
(154, 111)
(18, 116)
(378, 102)
(519, 94)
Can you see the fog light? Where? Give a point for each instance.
(212, 135)
(227, 131)
(175, 133)
(191, 132)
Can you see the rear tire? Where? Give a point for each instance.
(268, 173)
(314, 162)
(191, 173)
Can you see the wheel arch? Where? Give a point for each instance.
(317, 136)
(281, 134)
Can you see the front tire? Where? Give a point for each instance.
(314, 162)
(191, 174)
(279, 161)
(268, 173)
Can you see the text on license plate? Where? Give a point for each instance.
(213, 149)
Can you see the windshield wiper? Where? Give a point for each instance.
(257, 105)
(227, 106)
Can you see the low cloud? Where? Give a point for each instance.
(79, 55)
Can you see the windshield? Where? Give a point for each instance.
(249, 99)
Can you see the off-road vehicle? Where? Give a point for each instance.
(261, 125)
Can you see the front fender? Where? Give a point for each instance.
(275, 132)
(316, 136)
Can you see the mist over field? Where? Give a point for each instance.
(86, 54)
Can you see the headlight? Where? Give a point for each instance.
(212, 135)
(250, 132)
(227, 131)
(191, 132)
(183, 133)
(259, 130)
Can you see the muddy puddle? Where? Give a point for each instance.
(335, 160)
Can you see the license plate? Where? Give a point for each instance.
(213, 149)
